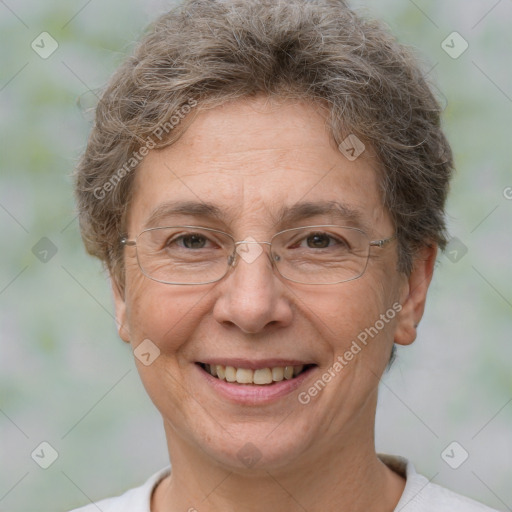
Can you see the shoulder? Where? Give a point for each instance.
(421, 495)
(137, 499)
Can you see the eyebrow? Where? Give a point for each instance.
(187, 208)
(286, 215)
(334, 209)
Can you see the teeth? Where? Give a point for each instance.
(230, 374)
(278, 373)
(261, 376)
(244, 376)
(288, 372)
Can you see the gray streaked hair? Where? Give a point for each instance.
(210, 51)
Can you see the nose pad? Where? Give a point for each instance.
(249, 250)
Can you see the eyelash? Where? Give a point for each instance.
(333, 240)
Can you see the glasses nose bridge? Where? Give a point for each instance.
(233, 258)
(251, 242)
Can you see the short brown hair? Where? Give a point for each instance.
(207, 52)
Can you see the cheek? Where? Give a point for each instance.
(345, 313)
(161, 320)
(162, 313)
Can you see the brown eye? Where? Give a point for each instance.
(321, 240)
(193, 241)
(318, 240)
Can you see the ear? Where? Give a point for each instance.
(414, 295)
(120, 308)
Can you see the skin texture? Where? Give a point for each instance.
(250, 157)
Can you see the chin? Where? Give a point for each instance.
(252, 446)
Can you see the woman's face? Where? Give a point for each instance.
(251, 160)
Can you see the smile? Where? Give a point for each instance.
(260, 376)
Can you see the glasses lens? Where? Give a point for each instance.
(184, 254)
(321, 254)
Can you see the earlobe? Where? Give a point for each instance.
(120, 309)
(414, 295)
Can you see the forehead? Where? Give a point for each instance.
(257, 162)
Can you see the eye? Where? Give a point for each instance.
(321, 240)
(318, 240)
(187, 240)
(191, 241)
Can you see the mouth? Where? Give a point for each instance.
(265, 376)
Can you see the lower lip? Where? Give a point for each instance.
(254, 394)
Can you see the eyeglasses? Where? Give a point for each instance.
(194, 255)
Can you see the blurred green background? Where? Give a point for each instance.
(66, 378)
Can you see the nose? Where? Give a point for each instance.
(251, 296)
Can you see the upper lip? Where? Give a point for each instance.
(253, 364)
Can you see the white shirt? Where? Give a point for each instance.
(419, 494)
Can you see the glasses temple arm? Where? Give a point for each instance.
(383, 241)
(125, 241)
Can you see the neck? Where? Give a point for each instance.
(347, 477)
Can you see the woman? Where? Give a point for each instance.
(265, 183)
